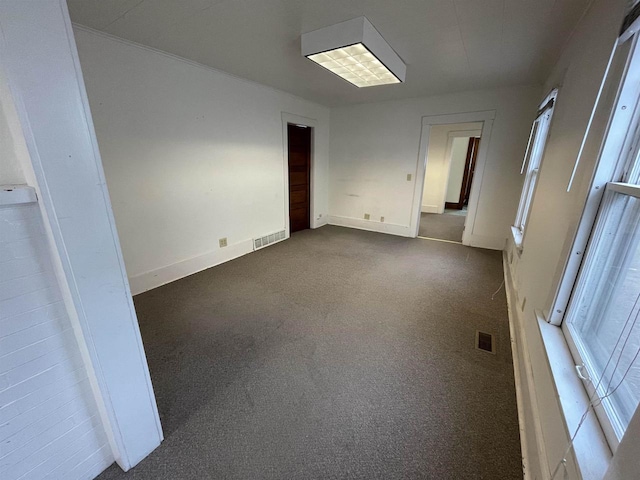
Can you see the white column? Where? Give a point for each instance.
(39, 57)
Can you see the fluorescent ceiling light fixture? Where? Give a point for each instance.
(356, 52)
(355, 64)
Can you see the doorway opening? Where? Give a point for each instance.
(299, 169)
(451, 160)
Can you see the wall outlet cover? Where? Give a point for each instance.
(381, 219)
(408, 177)
(367, 216)
(223, 242)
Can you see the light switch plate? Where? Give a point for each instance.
(408, 177)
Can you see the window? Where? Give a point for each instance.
(531, 163)
(602, 320)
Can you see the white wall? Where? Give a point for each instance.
(556, 212)
(459, 149)
(13, 150)
(375, 146)
(191, 155)
(435, 176)
(39, 57)
(49, 420)
(579, 74)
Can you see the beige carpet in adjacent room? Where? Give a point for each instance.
(443, 226)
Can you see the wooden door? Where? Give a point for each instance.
(299, 177)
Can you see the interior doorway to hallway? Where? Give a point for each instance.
(450, 167)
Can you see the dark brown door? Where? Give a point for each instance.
(299, 177)
(469, 168)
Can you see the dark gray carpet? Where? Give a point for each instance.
(442, 226)
(337, 354)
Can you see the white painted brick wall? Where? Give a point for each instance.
(49, 423)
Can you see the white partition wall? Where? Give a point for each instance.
(39, 58)
(50, 425)
(192, 155)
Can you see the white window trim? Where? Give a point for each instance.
(580, 351)
(590, 447)
(531, 166)
(620, 143)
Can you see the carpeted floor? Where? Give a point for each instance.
(442, 226)
(337, 354)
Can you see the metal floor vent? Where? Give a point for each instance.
(484, 342)
(262, 242)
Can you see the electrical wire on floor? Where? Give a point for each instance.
(498, 290)
(594, 402)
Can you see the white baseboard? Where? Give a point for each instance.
(163, 275)
(482, 241)
(534, 463)
(370, 225)
(430, 209)
(321, 222)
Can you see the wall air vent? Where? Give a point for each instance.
(262, 242)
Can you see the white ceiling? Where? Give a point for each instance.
(448, 45)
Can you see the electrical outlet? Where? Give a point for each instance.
(382, 219)
(408, 177)
(223, 242)
(367, 216)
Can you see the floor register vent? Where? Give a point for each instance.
(262, 242)
(484, 342)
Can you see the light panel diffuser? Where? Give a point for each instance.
(356, 52)
(356, 64)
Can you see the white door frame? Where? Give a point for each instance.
(486, 117)
(290, 118)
